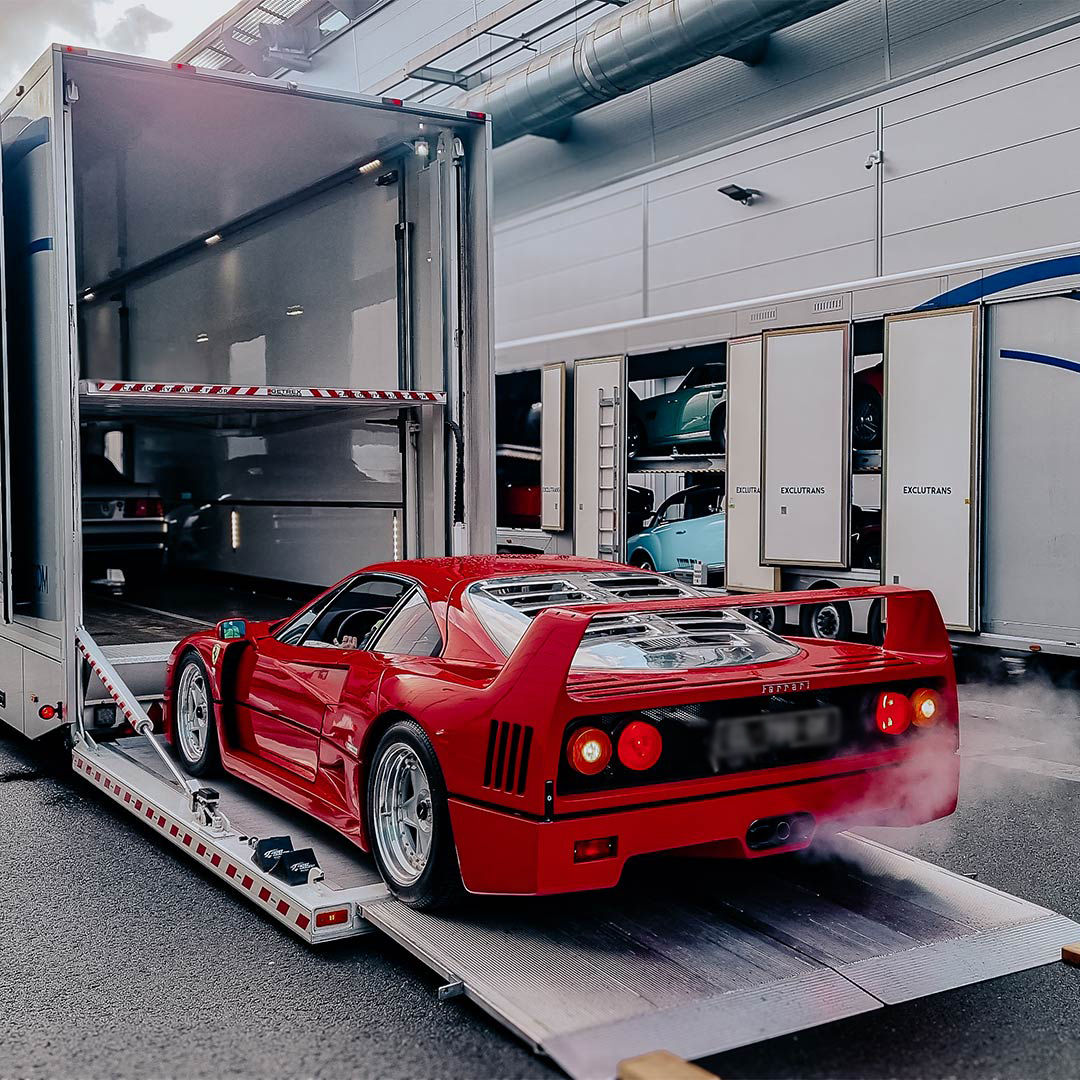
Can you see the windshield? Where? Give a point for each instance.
(642, 641)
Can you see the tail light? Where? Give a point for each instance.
(589, 751)
(894, 713)
(927, 707)
(640, 745)
(604, 847)
(333, 917)
(144, 508)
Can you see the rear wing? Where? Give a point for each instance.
(540, 664)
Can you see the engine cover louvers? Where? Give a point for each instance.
(506, 766)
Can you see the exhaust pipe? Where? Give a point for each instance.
(777, 832)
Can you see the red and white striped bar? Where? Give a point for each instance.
(204, 393)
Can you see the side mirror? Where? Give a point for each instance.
(232, 629)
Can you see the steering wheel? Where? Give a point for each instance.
(375, 620)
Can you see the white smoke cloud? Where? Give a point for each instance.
(136, 27)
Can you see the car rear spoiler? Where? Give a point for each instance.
(540, 664)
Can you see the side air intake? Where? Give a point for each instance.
(506, 766)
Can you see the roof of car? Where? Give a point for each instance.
(442, 575)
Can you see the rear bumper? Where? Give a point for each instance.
(504, 853)
(124, 535)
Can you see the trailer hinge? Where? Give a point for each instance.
(451, 990)
(71, 92)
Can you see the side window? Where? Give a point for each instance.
(674, 510)
(349, 618)
(412, 631)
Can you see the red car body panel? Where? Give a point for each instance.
(304, 728)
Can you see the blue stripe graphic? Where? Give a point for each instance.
(1040, 358)
(44, 244)
(1005, 279)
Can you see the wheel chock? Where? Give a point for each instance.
(660, 1065)
(1071, 954)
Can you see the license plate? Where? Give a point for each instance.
(740, 739)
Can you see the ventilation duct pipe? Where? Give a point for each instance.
(636, 45)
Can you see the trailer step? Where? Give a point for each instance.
(725, 955)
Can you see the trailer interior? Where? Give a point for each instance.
(226, 238)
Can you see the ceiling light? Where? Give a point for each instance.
(88, 296)
(210, 241)
(295, 309)
(202, 338)
(421, 147)
(371, 166)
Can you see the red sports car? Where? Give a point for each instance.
(521, 724)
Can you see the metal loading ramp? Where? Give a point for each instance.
(698, 958)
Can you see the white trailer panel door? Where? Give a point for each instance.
(743, 569)
(806, 448)
(599, 456)
(552, 446)
(930, 527)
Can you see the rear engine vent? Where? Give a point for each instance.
(507, 764)
(633, 587)
(531, 596)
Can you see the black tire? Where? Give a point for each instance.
(875, 626)
(635, 437)
(718, 429)
(208, 760)
(642, 561)
(830, 621)
(440, 883)
(772, 618)
(866, 418)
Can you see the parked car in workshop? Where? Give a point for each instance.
(689, 527)
(693, 416)
(123, 523)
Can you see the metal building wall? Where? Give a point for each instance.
(623, 219)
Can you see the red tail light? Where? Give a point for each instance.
(144, 508)
(334, 917)
(894, 713)
(604, 847)
(640, 745)
(927, 707)
(589, 751)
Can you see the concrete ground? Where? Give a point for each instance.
(118, 958)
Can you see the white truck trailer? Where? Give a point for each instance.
(253, 317)
(265, 308)
(969, 493)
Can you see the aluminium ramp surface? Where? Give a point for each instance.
(698, 958)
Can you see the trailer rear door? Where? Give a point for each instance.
(806, 448)
(5, 510)
(932, 432)
(552, 447)
(744, 413)
(39, 347)
(599, 456)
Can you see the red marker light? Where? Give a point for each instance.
(476, 115)
(47, 712)
(589, 751)
(640, 745)
(393, 101)
(602, 848)
(187, 68)
(894, 713)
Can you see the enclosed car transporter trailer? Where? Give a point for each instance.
(756, 951)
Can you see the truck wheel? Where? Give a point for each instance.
(828, 621)
(408, 819)
(194, 723)
(772, 618)
(718, 429)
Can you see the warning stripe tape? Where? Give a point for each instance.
(316, 393)
(134, 712)
(220, 861)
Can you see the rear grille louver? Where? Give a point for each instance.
(506, 766)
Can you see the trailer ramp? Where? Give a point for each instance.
(705, 957)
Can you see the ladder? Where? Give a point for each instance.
(607, 476)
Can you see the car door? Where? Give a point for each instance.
(287, 684)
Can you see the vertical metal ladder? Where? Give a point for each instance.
(607, 476)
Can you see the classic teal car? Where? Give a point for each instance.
(694, 415)
(689, 527)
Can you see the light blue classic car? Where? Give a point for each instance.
(689, 418)
(689, 527)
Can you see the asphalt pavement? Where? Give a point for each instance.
(120, 959)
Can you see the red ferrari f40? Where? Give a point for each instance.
(525, 725)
